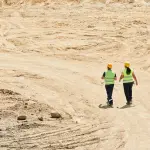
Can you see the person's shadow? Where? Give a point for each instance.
(126, 106)
(104, 106)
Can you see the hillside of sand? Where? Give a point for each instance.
(52, 57)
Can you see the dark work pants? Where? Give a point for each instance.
(109, 90)
(128, 91)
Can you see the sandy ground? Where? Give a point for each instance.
(51, 60)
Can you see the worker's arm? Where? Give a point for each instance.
(103, 76)
(121, 77)
(134, 76)
(115, 77)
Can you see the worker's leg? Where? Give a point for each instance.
(130, 91)
(126, 91)
(109, 90)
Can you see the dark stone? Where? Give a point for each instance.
(21, 118)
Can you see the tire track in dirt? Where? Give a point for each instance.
(73, 136)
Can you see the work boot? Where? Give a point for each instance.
(129, 103)
(107, 103)
(111, 102)
(111, 105)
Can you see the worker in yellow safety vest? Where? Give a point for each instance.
(128, 77)
(109, 76)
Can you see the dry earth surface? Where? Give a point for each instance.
(52, 56)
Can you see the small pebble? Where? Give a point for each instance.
(25, 106)
(40, 118)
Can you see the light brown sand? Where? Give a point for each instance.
(51, 60)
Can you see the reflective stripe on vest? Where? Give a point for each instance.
(109, 77)
(127, 77)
